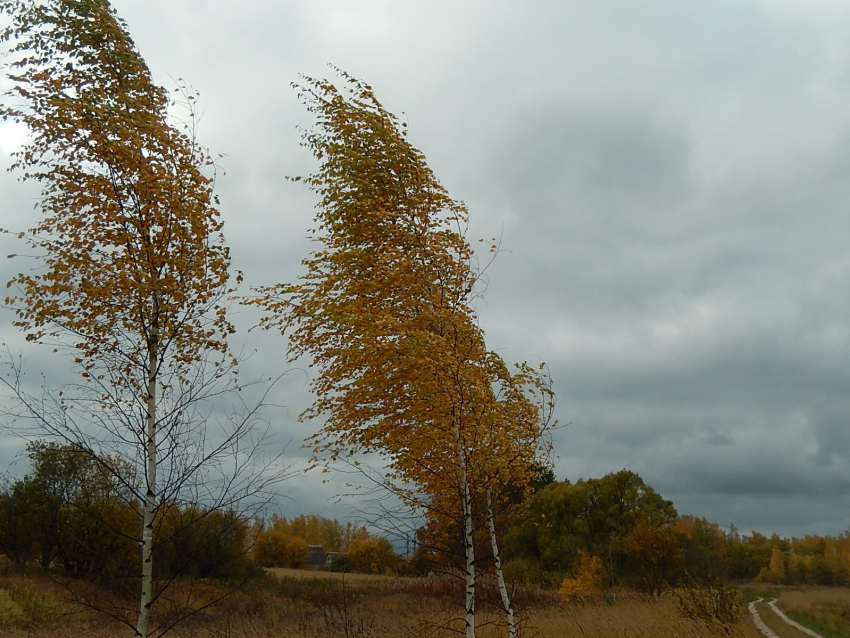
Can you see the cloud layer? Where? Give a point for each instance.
(670, 185)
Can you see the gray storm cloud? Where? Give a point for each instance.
(670, 185)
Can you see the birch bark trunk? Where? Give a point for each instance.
(150, 495)
(468, 543)
(469, 548)
(500, 576)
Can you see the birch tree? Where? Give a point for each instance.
(385, 311)
(134, 272)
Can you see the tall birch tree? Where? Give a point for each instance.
(134, 271)
(385, 311)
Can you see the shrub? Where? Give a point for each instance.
(587, 582)
(340, 564)
(372, 555)
(718, 604)
(10, 611)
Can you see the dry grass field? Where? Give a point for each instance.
(632, 616)
(286, 572)
(824, 609)
(321, 605)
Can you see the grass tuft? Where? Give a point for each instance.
(10, 611)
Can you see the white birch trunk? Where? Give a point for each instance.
(150, 495)
(500, 577)
(468, 543)
(469, 548)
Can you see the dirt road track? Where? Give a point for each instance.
(758, 622)
(767, 631)
(794, 624)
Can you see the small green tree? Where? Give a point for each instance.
(19, 504)
(592, 515)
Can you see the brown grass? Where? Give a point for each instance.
(309, 574)
(631, 616)
(824, 609)
(322, 605)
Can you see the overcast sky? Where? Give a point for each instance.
(671, 183)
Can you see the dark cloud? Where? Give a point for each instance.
(669, 182)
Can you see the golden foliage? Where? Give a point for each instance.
(134, 268)
(131, 242)
(775, 571)
(280, 544)
(373, 556)
(385, 310)
(273, 548)
(587, 582)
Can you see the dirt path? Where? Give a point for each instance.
(758, 622)
(767, 631)
(793, 623)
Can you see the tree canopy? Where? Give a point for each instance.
(134, 275)
(386, 312)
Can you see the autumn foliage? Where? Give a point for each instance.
(385, 312)
(135, 272)
(282, 542)
(385, 308)
(587, 584)
(131, 235)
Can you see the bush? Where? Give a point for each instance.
(340, 564)
(718, 604)
(372, 556)
(199, 543)
(10, 611)
(525, 572)
(587, 582)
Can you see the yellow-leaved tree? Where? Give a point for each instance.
(385, 311)
(133, 274)
(587, 582)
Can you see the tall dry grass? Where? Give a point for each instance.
(315, 605)
(632, 616)
(301, 574)
(824, 609)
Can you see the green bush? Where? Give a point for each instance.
(341, 564)
(20, 604)
(10, 611)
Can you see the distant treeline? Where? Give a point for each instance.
(71, 514)
(286, 543)
(642, 543)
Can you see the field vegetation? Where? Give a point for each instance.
(311, 604)
(602, 557)
(826, 610)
